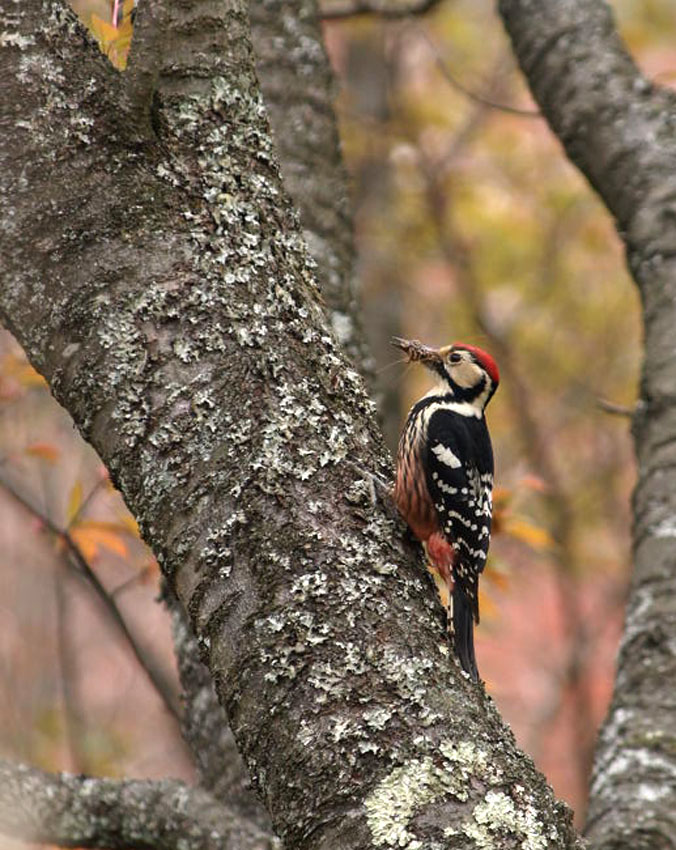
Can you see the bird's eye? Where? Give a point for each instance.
(455, 357)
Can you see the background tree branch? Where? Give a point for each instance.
(393, 10)
(76, 560)
(82, 811)
(617, 127)
(298, 89)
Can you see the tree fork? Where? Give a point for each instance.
(162, 286)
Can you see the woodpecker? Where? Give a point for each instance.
(444, 480)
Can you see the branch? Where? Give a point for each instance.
(159, 682)
(617, 127)
(206, 729)
(615, 409)
(82, 811)
(388, 10)
(613, 122)
(73, 726)
(299, 89)
(140, 78)
(455, 83)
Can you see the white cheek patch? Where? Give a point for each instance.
(466, 374)
(446, 456)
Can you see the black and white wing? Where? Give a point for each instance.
(460, 482)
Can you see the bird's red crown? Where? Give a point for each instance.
(484, 358)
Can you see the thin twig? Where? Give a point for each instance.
(161, 685)
(71, 712)
(363, 7)
(455, 83)
(613, 408)
(129, 583)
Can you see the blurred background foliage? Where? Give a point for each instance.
(470, 225)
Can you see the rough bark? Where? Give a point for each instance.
(155, 273)
(205, 727)
(618, 128)
(298, 89)
(81, 811)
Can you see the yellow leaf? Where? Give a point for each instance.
(74, 502)
(104, 32)
(126, 524)
(44, 451)
(131, 525)
(28, 377)
(502, 496)
(103, 525)
(537, 538)
(497, 578)
(114, 41)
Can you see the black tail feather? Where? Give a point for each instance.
(463, 632)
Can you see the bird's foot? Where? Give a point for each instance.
(379, 489)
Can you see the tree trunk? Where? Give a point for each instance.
(618, 128)
(298, 90)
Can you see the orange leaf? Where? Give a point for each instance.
(149, 572)
(537, 538)
(489, 610)
(86, 545)
(44, 451)
(534, 482)
(151, 569)
(18, 368)
(91, 539)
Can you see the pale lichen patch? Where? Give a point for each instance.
(408, 789)
(395, 801)
(15, 39)
(497, 817)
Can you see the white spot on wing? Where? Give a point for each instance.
(446, 456)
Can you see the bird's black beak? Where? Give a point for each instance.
(417, 352)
